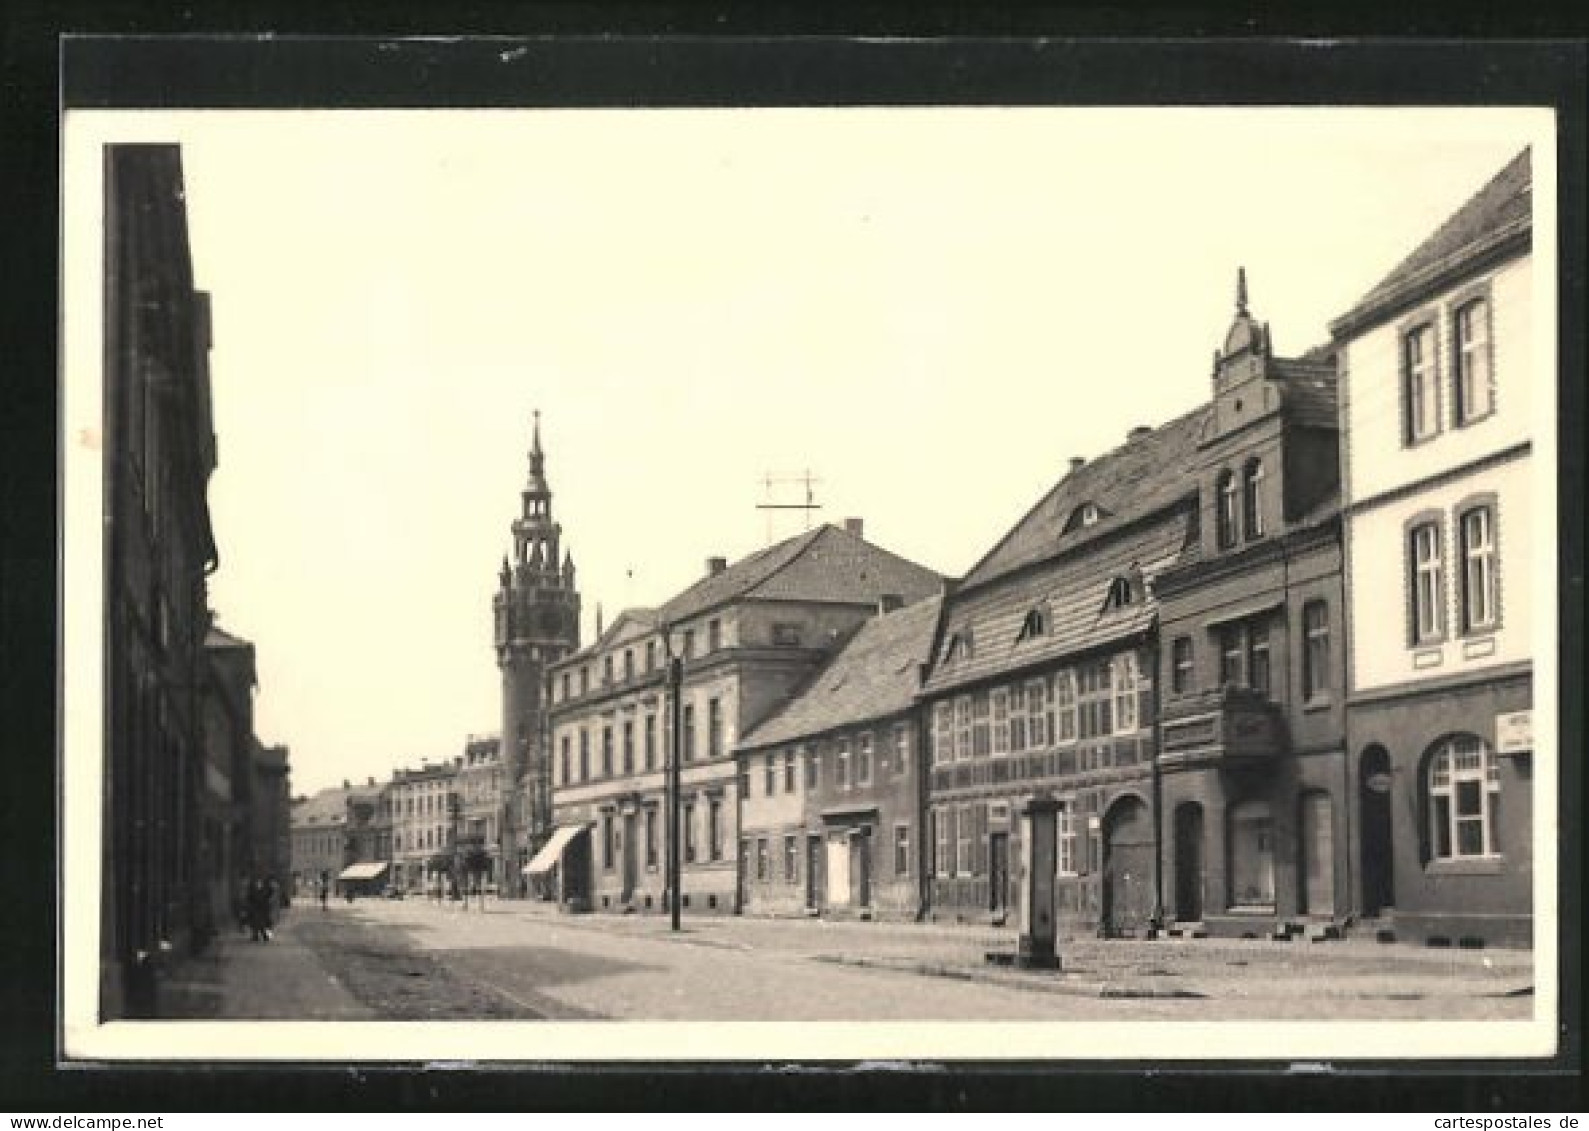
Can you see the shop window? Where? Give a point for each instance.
(1463, 787)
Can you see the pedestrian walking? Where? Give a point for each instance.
(259, 919)
(325, 890)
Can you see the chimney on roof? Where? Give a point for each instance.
(889, 602)
(346, 784)
(715, 566)
(1138, 432)
(855, 526)
(372, 779)
(1076, 462)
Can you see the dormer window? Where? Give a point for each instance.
(1035, 625)
(1087, 514)
(957, 647)
(1120, 594)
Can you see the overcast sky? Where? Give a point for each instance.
(932, 310)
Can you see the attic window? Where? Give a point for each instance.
(1119, 594)
(957, 647)
(1035, 624)
(1087, 514)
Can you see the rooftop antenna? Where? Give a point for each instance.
(780, 487)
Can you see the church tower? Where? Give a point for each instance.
(536, 611)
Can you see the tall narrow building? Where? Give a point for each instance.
(536, 611)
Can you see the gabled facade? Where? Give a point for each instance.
(1041, 681)
(1436, 370)
(1253, 798)
(831, 785)
(749, 636)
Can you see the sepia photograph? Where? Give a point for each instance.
(807, 582)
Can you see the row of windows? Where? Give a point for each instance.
(1429, 400)
(434, 837)
(1093, 700)
(783, 635)
(651, 821)
(789, 872)
(621, 748)
(1477, 574)
(846, 762)
(960, 840)
(1244, 655)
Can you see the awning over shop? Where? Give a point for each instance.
(552, 851)
(368, 871)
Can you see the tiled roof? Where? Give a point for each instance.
(1310, 391)
(1072, 594)
(875, 675)
(1498, 210)
(827, 564)
(1126, 484)
(328, 807)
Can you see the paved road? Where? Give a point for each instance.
(413, 959)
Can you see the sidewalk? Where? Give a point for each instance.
(237, 980)
(1169, 968)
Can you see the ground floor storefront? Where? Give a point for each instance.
(1444, 784)
(1256, 846)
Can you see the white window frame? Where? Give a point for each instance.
(1421, 382)
(999, 698)
(1428, 582)
(863, 760)
(1478, 569)
(1471, 360)
(1461, 760)
(1124, 678)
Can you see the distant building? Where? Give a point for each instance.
(226, 850)
(423, 825)
(1254, 805)
(536, 616)
(483, 797)
(831, 786)
(1437, 371)
(750, 635)
(334, 830)
(159, 452)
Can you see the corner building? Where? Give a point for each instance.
(1437, 371)
(750, 635)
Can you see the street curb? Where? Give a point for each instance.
(1092, 989)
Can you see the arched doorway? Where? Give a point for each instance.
(1127, 867)
(1189, 862)
(1316, 849)
(1374, 782)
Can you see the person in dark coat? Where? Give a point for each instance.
(259, 901)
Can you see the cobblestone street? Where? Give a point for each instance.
(415, 960)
